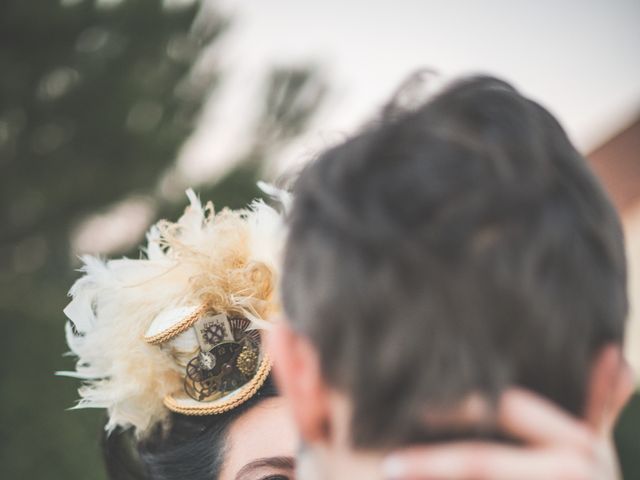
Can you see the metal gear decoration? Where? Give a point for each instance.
(228, 357)
(201, 390)
(207, 360)
(247, 361)
(204, 383)
(240, 329)
(214, 333)
(238, 326)
(198, 384)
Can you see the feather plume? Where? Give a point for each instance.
(229, 261)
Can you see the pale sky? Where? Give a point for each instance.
(580, 58)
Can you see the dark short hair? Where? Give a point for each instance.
(460, 246)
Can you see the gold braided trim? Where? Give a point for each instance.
(246, 392)
(178, 328)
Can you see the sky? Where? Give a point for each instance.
(579, 58)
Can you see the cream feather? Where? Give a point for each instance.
(229, 260)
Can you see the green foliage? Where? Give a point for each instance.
(628, 439)
(96, 99)
(89, 112)
(91, 108)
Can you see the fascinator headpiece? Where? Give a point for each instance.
(180, 329)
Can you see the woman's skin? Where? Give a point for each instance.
(262, 444)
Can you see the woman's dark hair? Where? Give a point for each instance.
(192, 447)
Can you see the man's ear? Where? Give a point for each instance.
(297, 371)
(610, 387)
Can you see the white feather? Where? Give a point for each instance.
(281, 196)
(230, 260)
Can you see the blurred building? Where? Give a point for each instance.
(617, 162)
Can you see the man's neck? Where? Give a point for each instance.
(334, 457)
(320, 463)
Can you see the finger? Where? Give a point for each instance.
(535, 420)
(483, 461)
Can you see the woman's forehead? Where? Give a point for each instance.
(266, 431)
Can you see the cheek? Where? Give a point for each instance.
(266, 430)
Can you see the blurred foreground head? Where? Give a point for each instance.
(460, 247)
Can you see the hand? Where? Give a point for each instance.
(556, 446)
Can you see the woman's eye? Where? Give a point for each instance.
(276, 477)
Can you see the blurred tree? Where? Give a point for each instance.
(89, 104)
(291, 98)
(628, 439)
(96, 98)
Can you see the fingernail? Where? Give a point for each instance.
(393, 468)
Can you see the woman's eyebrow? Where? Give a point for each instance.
(287, 463)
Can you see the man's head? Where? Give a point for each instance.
(455, 249)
